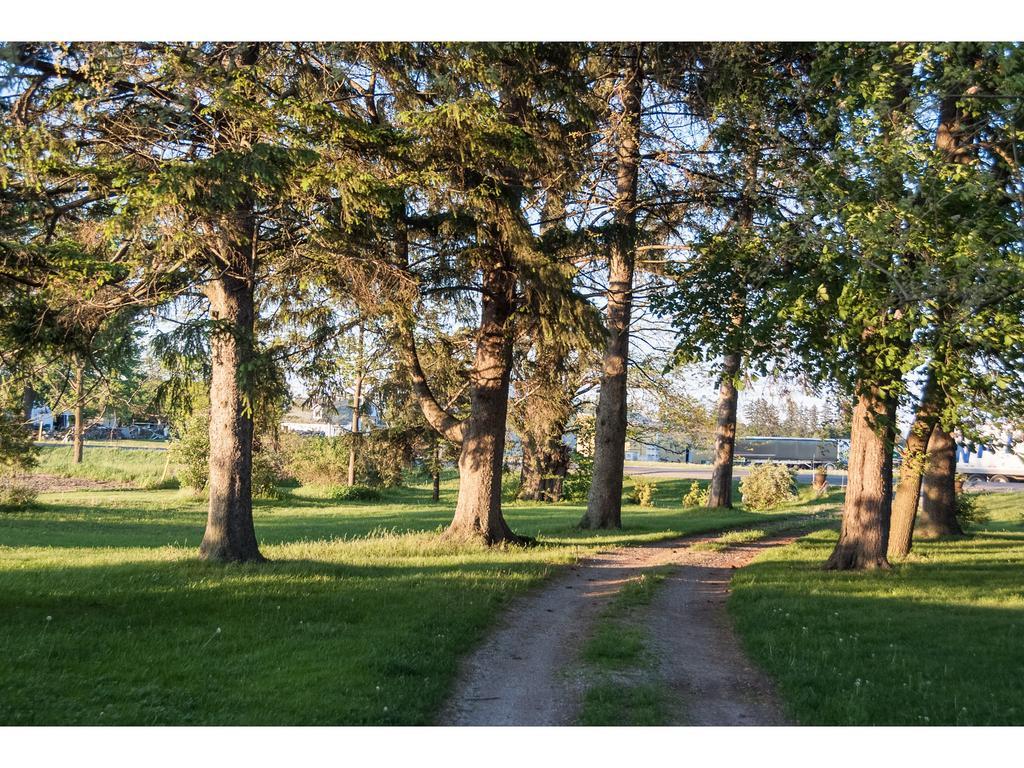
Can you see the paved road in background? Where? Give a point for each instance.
(836, 479)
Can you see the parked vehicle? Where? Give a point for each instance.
(993, 462)
(799, 452)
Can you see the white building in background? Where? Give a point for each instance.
(316, 420)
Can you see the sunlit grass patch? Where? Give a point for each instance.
(360, 617)
(935, 641)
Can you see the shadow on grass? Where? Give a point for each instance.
(934, 642)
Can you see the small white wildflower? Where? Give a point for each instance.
(218, 630)
(385, 709)
(49, 618)
(378, 688)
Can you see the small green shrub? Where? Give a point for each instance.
(191, 450)
(381, 458)
(266, 474)
(968, 513)
(768, 485)
(643, 493)
(696, 496)
(354, 493)
(315, 460)
(511, 484)
(15, 496)
(577, 481)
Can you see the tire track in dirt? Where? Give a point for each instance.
(528, 673)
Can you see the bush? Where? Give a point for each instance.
(577, 481)
(317, 460)
(354, 493)
(643, 493)
(191, 450)
(968, 513)
(511, 484)
(15, 495)
(267, 467)
(768, 485)
(696, 496)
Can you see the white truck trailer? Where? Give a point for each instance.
(995, 462)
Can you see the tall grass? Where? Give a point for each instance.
(139, 468)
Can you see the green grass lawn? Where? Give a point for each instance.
(937, 641)
(360, 618)
(140, 468)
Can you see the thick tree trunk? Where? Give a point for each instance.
(544, 469)
(230, 535)
(720, 490)
(532, 475)
(865, 531)
(79, 386)
(908, 492)
(604, 501)
(938, 502)
(357, 403)
(478, 512)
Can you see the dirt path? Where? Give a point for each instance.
(527, 671)
(56, 484)
(700, 658)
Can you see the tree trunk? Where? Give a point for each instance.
(908, 492)
(357, 402)
(865, 532)
(720, 490)
(230, 535)
(79, 442)
(435, 471)
(938, 503)
(604, 501)
(28, 402)
(820, 478)
(532, 475)
(478, 512)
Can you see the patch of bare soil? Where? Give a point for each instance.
(55, 484)
(527, 671)
(699, 655)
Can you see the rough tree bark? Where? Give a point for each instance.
(604, 501)
(478, 512)
(230, 535)
(864, 537)
(938, 501)
(357, 403)
(435, 471)
(545, 464)
(908, 492)
(79, 387)
(720, 490)
(481, 436)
